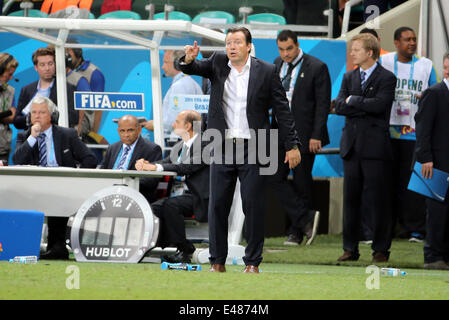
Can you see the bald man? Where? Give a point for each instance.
(123, 154)
(191, 189)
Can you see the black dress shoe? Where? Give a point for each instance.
(178, 257)
(55, 253)
(349, 256)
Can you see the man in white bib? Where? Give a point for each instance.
(414, 74)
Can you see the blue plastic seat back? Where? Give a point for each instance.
(121, 14)
(31, 13)
(174, 15)
(219, 15)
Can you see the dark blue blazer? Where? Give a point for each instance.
(265, 91)
(69, 149)
(367, 114)
(144, 149)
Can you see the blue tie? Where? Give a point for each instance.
(123, 158)
(363, 78)
(42, 149)
(183, 153)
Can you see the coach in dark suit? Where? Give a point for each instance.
(432, 150)
(243, 89)
(365, 100)
(132, 147)
(44, 64)
(191, 193)
(47, 144)
(307, 84)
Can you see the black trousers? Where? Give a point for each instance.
(223, 178)
(409, 208)
(436, 246)
(295, 196)
(171, 212)
(57, 229)
(366, 187)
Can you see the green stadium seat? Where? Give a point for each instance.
(174, 15)
(121, 14)
(219, 15)
(267, 17)
(91, 15)
(31, 13)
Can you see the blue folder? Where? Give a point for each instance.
(435, 188)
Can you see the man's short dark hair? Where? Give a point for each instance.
(47, 51)
(371, 31)
(245, 31)
(398, 32)
(284, 35)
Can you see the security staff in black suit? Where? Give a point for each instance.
(132, 147)
(365, 100)
(307, 83)
(191, 194)
(44, 64)
(243, 90)
(432, 150)
(47, 144)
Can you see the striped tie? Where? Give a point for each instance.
(42, 149)
(123, 158)
(363, 78)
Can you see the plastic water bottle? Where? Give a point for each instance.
(392, 272)
(24, 260)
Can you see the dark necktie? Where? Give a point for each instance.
(288, 77)
(123, 158)
(363, 78)
(42, 149)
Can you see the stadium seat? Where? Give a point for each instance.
(91, 15)
(209, 16)
(121, 14)
(174, 15)
(267, 18)
(31, 13)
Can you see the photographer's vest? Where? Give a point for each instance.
(6, 99)
(73, 78)
(412, 79)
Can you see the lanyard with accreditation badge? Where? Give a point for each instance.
(403, 106)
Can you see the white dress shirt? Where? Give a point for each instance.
(234, 102)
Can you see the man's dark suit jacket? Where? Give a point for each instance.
(196, 173)
(367, 114)
(310, 101)
(265, 91)
(432, 127)
(28, 92)
(144, 149)
(69, 149)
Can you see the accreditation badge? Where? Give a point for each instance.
(402, 108)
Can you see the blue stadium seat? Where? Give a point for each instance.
(121, 14)
(31, 13)
(267, 17)
(229, 18)
(174, 15)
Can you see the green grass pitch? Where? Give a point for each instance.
(288, 273)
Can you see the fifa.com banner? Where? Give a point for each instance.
(109, 101)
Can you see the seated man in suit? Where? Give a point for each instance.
(365, 100)
(131, 147)
(44, 64)
(49, 145)
(191, 196)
